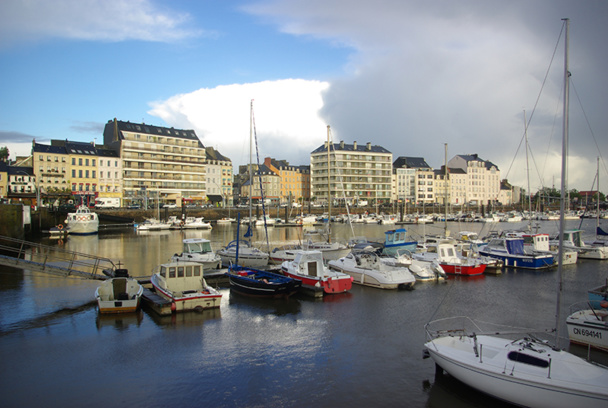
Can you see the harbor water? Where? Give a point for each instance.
(358, 349)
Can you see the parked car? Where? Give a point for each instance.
(170, 206)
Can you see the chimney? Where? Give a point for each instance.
(368, 146)
(355, 145)
(342, 144)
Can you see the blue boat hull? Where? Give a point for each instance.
(258, 283)
(521, 261)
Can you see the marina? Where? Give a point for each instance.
(359, 348)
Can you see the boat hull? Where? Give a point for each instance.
(199, 301)
(588, 328)
(522, 261)
(119, 295)
(328, 285)
(468, 270)
(256, 283)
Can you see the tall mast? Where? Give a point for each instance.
(446, 199)
(562, 203)
(250, 159)
(328, 186)
(528, 172)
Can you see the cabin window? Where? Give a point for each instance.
(527, 359)
(163, 272)
(197, 270)
(172, 272)
(188, 271)
(180, 271)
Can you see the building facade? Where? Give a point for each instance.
(159, 163)
(483, 178)
(351, 172)
(295, 180)
(218, 178)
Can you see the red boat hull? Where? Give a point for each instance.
(469, 270)
(329, 285)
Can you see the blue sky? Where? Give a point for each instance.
(406, 75)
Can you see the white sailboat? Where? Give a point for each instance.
(527, 371)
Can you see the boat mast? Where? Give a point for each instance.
(597, 211)
(528, 173)
(250, 160)
(445, 183)
(562, 203)
(328, 188)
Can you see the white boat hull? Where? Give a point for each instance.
(589, 328)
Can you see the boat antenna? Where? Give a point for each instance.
(328, 189)
(562, 202)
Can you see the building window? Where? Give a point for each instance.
(86, 174)
(86, 162)
(80, 162)
(73, 161)
(92, 162)
(93, 173)
(79, 173)
(73, 173)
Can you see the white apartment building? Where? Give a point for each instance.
(415, 180)
(218, 178)
(355, 173)
(109, 170)
(159, 163)
(482, 178)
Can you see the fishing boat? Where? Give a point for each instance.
(395, 240)
(82, 222)
(198, 250)
(526, 371)
(451, 261)
(182, 283)
(511, 251)
(317, 279)
(119, 294)
(367, 269)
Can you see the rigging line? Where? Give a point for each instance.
(537, 98)
(588, 124)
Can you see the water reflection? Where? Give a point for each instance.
(120, 321)
(185, 319)
(278, 307)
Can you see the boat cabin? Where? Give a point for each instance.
(182, 276)
(197, 246)
(310, 263)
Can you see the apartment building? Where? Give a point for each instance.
(351, 172)
(82, 165)
(51, 167)
(158, 163)
(482, 178)
(218, 178)
(109, 170)
(295, 180)
(417, 182)
(263, 178)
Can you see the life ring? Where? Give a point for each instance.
(60, 227)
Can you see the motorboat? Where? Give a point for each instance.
(153, 224)
(192, 223)
(574, 241)
(119, 294)
(396, 239)
(422, 270)
(265, 221)
(226, 221)
(367, 269)
(539, 242)
(182, 283)
(525, 371)
(588, 325)
(199, 250)
(512, 253)
(452, 262)
(317, 279)
(82, 222)
(248, 255)
(259, 283)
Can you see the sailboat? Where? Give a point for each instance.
(243, 278)
(527, 371)
(240, 251)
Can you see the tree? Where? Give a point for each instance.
(4, 153)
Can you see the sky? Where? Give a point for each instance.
(409, 76)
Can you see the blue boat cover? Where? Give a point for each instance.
(515, 246)
(600, 231)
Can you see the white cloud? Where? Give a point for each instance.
(97, 20)
(286, 112)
